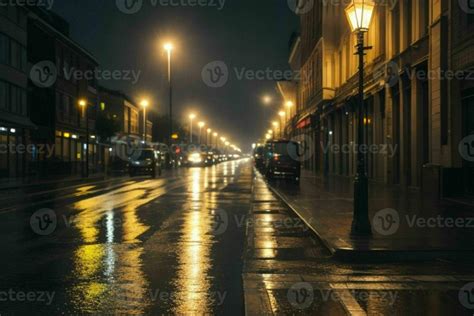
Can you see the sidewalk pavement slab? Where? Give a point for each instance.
(415, 228)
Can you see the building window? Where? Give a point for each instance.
(133, 121)
(12, 53)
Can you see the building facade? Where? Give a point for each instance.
(415, 112)
(63, 124)
(15, 125)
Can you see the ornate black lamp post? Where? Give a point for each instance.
(359, 14)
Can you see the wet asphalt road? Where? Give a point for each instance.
(128, 246)
(196, 241)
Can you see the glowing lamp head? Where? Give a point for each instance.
(82, 103)
(281, 113)
(215, 134)
(201, 124)
(359, 13)
(275, 124)
(168, 47)
(267, 99)
(144, 103)
(209, 130)
(289, 104)
(192, 116)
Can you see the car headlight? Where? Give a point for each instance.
(196, 158)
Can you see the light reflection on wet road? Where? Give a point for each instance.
(139, 246)
(193, 243)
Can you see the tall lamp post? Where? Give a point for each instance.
(282, 123)
(201, 125)
(359, 13)
(144, 105)
(169, 48)
(83, 105)
(267, 100)
(208, 136)
(191, 119)
(215, 139)
(275, 125)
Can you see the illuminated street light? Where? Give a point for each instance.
(169, 48)
(267, 100)
(83, 105)
(192, 116)
(282, 116)
(359, 14)
(201, 125)
(144, 105)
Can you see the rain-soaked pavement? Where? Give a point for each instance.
(196, 241)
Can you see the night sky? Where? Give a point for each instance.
(246, 33)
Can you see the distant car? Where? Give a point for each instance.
(258, 158)
(281, 161)
(195, 159)
(145, 161)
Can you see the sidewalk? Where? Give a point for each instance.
(412, 228)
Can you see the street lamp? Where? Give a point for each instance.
(267, 100)
(289, 105)
(359, 14)
(208, 135)
(215, 139)
(169, 48)
(144, 105)
(83, 105)
(201, 125)
(275, 125)
(282, 115)
(191, 118)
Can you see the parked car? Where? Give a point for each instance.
(281, 161)
(258, 157)
(145, 161)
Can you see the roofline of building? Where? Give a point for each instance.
(294, 48)
(117, 93)
(63, 37)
